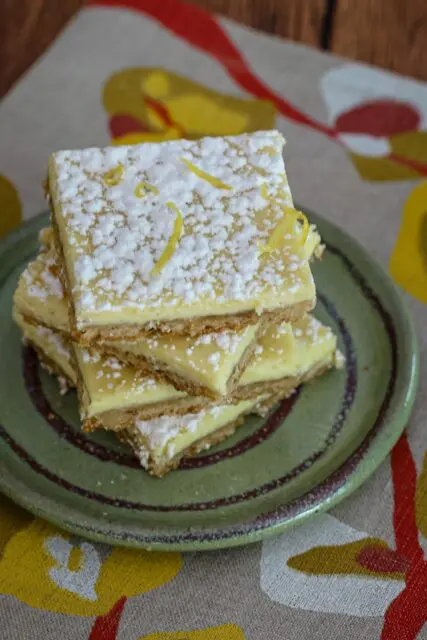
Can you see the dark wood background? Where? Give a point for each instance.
(387, 33)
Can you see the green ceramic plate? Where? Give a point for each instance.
(313, 451)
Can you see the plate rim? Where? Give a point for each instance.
(390, 431)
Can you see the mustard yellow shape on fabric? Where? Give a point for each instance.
(421, 499)
(49, 569)
(12, 520)
(338, 560)
(381, 169)
(411, 145)
(405, 148)
(192, 109)
(10, 207)
(223, 632)
(408, 261)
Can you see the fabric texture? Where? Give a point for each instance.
(134, 70)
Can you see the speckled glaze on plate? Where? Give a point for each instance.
(313, 451)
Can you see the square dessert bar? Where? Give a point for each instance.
(160, 444)
(154, 383)
(181, 236)
(53, 350)
(113, 395)
(123, 397)
(208, 365)
(288, 355)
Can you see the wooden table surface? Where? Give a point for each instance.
(387, 33)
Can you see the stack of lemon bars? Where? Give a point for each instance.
(174, 290)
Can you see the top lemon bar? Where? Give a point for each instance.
(183, 236)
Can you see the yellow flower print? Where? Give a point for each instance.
(420, 499)
(408, 261)
(223, 632)
(10, 207)
(12, 520)
(318, 566)
(364, 557)
(152, 105)
(406, 159)
(52, 570)
(380, 119)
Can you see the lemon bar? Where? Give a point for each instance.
(287, 355)
(53, 350)
(162, 441)
(40, 294)
(160, 444)
(182, 236)
(208, 365)
(112, 393)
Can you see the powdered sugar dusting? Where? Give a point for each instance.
(206, 353)
(160, 431)
(90, 357)
(214, 359)
(107, 373)
(311, 330)
(117, 237)
(55, 340)
(339, 359)
(227, 341)
(141, 384)
(143, 456)
(43, 283)
(204, 339)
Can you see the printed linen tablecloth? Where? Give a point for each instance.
(131, 70)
